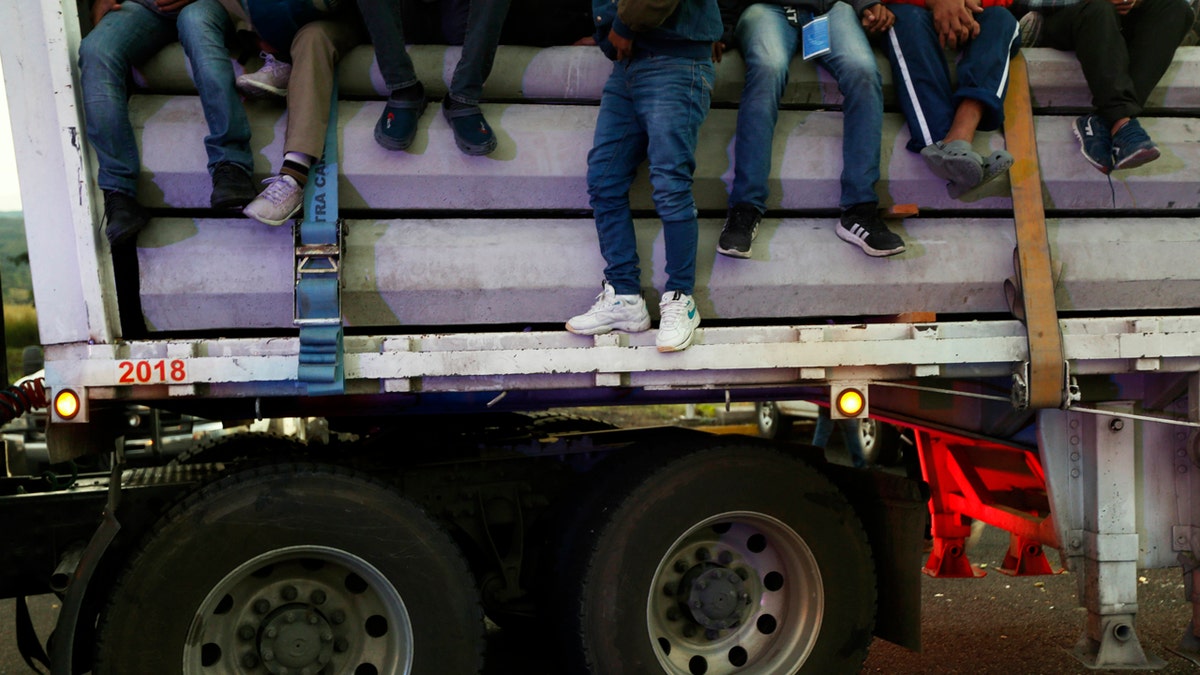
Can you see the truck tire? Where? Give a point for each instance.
(734, 559)
(298, 567)
(239, 446)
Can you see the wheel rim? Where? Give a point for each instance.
(766, 418)
(301, 610)
(868, 432)
(739, 592)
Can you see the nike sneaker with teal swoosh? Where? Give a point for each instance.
(677, 323)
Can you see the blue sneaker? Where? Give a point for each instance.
(1095, 142)
(1132, 147)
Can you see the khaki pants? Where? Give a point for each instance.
(315, 52)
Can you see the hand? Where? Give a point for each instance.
(103, 7)
(586, 41)
(170, 6)
(877, 19)
(718, 50)
(953, 22)
(623, 45)
(1123, 6)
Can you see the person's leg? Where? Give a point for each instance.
(618, 148)
(1153, 30)
(485, 19)
(767, 42)
(316, 50)
(921, 75)
(852, 64)
(823, 428)
(121, 39)
(983, 69)
(203, 27)
(671, 96)
(382, 18)
(852, 437)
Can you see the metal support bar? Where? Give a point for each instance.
(1025, 557)
(1031, 294)
(1106, 560)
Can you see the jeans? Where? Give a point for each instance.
(485, 19)
(768, 42)
(129, 37)
(851, 435)
(652, 107)
(922, 76)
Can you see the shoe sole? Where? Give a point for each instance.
(274, 223)
(476, 150)
(733, 252)
(873, 252)
(391, 143)
(232, 203)
(1143, 156)
(259, 90)
(680, 347)
(601, 330)
(1079, 137)
(964, 169)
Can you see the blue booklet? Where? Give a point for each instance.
(815, 35)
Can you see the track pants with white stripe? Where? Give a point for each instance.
(927, 96)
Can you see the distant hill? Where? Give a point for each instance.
(14, 259)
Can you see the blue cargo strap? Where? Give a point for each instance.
(318, 309)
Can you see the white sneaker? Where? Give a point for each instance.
(278, 202)
(612, 312)
(271, 79)
(678, 319)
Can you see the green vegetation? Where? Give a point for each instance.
(20, 317)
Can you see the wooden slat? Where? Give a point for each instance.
(1035, 271)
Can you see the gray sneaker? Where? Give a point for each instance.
(278, 202)
(270, 80)
(612, 312)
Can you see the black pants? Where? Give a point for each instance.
(1123, 57)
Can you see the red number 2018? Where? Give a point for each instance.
(143, 372)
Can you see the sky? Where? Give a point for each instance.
(10, 193)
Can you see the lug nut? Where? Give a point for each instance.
(669, 589)
(249, 660)
(743, 573)
(268, 654)
(712, 634)
(673, 614)
(246, 632)
(289, 593)
(262, 606)
(689, 631)
(702, 554)
(338, 617)
(341, 645)
(271, 633)
(680, 566)
(318, 597)
(725, 557)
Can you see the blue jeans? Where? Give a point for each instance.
(485, 19)
(652, 107)
(768, 42)
(923, 86)
(128, 37)
(851, 436)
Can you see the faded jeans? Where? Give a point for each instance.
(652, 107)
(768, 43)
(128, 37)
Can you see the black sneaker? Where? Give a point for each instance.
(232, 186)
(124, 217)
(741, 227)
(1132, 147)
(862, 227)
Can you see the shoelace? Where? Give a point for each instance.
(672, 312)
(270, 63)
(278, 189)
